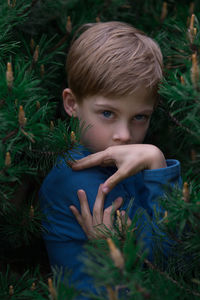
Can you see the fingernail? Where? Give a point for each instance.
(105, 190)
(119, 199)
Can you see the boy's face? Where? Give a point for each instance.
(115, 121)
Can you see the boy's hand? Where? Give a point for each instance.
(94, 225)
(129, 159)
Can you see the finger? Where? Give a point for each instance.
(98, 207)
(116, 205)
(126, 218)
(88, 161)
(79, 218)
(113, 180)
(108, 215)
(85, 210)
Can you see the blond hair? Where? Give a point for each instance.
(113, 59)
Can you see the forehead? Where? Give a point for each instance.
(140, 100)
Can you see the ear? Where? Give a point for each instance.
(70, 103)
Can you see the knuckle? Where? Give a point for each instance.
(96, 209)
(108, 211)
(95, 214)
(109, 152)
(121, 173)
(85, 217)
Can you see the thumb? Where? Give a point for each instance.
(113, 180)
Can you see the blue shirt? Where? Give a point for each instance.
(64, 237)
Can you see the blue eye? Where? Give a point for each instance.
(141, 117)
(107, 113)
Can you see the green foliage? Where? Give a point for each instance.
(21, 285)
(35, 130)
(138, 278)
(29, 93)
(182, 226)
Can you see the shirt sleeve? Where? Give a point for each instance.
(146, 188)
(156, 183)
(159, 181)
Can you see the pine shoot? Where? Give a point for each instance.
(9, 75)
(164, 11)
(69, 25)
(194, 70)
(8, 159)
(186, 194)
(116, 254)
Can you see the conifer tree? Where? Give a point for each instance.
(34, 39)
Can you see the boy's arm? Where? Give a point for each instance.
(149, 186)
(158, 182)
(129, 159)
(64, 237)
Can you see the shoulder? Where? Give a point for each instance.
(63, 183)
(82, 178)
(62, 170)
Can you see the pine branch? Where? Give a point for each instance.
(153, 267)
(60, 43)
(9, 135)
(177, 122)
(34, 2)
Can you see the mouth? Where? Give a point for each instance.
(122, 144)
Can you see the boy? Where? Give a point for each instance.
(113, 75)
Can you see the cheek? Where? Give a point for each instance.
(98, 133)
(139, 133)
(96, 138)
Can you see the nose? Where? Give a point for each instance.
(122, 134)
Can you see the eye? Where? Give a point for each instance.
(107, 114)
(141, 117)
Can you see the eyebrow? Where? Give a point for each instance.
(145, 111)
(105, 105)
